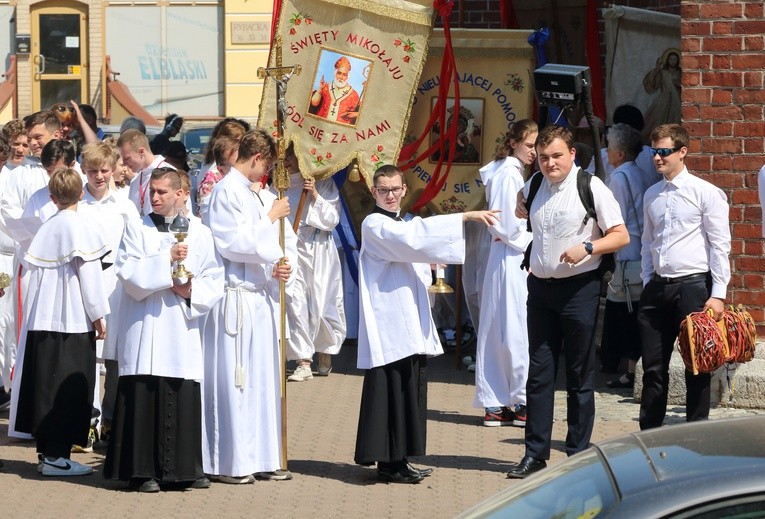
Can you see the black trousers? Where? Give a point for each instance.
(621, 337)
(561, 313)
(663, 306)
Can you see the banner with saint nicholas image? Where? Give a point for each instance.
(360, 63)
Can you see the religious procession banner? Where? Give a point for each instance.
(494, 69)
(361, 61)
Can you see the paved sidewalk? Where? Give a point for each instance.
(469, 460)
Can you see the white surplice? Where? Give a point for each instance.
(8, 265)
(159, 332)
(62, 259)
(502, 351)
(241, 426)
(394, 273)
(21, 184)
(110, 216)
(316, 313)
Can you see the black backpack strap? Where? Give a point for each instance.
(583, 180)
(536, 182)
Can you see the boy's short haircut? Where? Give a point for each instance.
(65, 186)
(97, 154)
(133, 138)
(254, 142)
(45, 117)
(13, 129)
(170, 173)
(56, 150)
(387, 170)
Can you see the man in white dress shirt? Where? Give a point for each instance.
(564, 293)
(685, 268)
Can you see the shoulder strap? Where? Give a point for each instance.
(583, 180)
(536, 182)
(632, 201)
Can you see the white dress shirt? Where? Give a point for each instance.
(686, 231)
(556, 223)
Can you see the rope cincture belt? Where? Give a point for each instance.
(239, 377)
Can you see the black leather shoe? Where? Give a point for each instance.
(422, 472)
(149, 486)
(398, 476)
(526, 467)
(201, 483)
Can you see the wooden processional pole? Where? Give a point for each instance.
(281, 181)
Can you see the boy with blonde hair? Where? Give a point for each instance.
(110, 213)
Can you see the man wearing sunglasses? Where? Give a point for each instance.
(685, 268)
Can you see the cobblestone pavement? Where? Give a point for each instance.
(469, 460)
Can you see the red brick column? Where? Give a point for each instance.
(723, 61)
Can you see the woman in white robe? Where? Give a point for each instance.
(502, 354)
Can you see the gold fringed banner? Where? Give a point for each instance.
(361, 61)
(494, 68)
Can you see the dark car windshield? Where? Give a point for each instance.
(196, 139)
(578, 488)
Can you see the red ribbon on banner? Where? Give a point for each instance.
(448, 75)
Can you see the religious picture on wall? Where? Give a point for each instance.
(665, 78)
(469, 135)
(338, 87)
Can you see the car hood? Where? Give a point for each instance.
(682, 452)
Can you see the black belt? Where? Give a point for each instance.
(670, 281)
(583, 275)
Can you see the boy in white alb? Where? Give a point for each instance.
(57, 347)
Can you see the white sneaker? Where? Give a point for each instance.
(231, 480)
(325, 364)
(64, 467)
(301, 373)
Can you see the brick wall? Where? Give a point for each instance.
(723, 44)
(723, 96)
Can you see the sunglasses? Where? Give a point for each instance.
(664, 152)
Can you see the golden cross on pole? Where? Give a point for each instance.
(281, 179)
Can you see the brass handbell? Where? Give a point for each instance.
(440, 286)
(180, 229)
(5, 281)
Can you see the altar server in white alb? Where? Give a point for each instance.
(110, 213)
(67, 301)
(396, 328)
(156, 434)
(242, 428)
(316, 313)
(502, 360)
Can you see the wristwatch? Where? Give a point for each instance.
(588, 247)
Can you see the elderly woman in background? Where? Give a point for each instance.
(628, 183)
